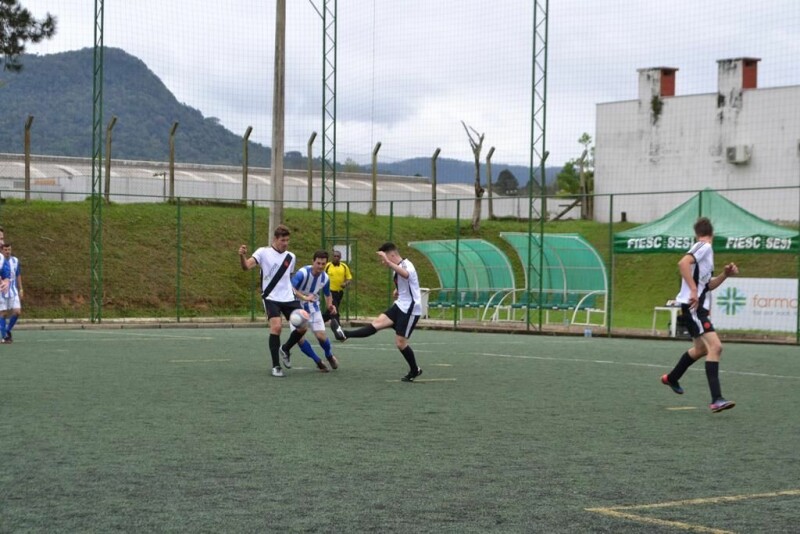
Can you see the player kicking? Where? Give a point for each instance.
(697, 269)
(403, 314)
(308, 282)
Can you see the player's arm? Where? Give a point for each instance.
(348, 276)
(686, 266)
(247, 263)
(19, 285)
(730, 270)
(326, 290)
(393, 266)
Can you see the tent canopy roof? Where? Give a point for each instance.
(735, 229)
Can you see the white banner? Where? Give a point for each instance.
(755, 304)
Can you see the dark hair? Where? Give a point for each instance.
(6, 244)
(703, 227)
(337, 253)
(321, 254)
(281, 231)
(387, 247)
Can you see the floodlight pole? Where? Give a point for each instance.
(172, 161)
(278, 91)
(433, 182)
(245, 161)
(28, 124)
(311, 169)
(374, 210)
(110, 127)
(489, 181)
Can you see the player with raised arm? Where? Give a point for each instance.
(404, 313)
(277, 293)
(697, 280)
(308, 283)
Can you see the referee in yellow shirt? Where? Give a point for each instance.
(340, 276)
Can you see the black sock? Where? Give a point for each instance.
(274, 345)
(294, 337)
(683, 364)
(408, 354)
(364, 331)
(712, 374)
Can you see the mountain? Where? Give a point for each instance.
(56, 89)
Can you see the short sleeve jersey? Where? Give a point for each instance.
(703, 255)
(305, 282)
(10, 269)
(408, 293)
(270, 260)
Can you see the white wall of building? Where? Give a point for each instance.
(687, 148)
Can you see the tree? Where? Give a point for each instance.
(17, 28)
(476, 143)
(507, 184)
(577, 177)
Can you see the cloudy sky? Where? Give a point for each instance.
(410, 71)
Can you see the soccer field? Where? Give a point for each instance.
(184, 430)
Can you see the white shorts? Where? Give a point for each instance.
(315, 323)
(10, 303)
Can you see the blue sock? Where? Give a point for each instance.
(2, 327)
(305, 346)
(326, 345)
(11, 323)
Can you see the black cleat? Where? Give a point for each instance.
(412, 375)
(336, 328)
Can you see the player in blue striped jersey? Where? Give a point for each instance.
(10, 296)
(308, 283)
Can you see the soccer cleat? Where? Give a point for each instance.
(721, 404)
(333, 362)
(675, 387)
(285, 358)
(277, 371)
(8, 338)
(336, 328)
(412, 375)
(322, 367)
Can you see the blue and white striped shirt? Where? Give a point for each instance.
(10, 269)
(305, 282)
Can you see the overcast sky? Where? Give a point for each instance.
(410, 71)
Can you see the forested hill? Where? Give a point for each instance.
(57, 90)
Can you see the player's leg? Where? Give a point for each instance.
(3, 321)
(698, 350)
(325, 343)
(714, 348)
(16, 309)
(274, 320)
(295, 334)
(383, 321)
(403, 328)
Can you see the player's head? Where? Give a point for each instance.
(320, 261)
(6, 247)
(336, 258)
(281, 241)
(703, 227)
(390, 249)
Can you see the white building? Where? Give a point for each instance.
(737, 137)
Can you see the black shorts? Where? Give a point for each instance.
(404, 322)
(696, 321)
(276, 309)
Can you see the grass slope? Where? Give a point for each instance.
(142, 250)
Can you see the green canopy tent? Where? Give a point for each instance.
(735, 229)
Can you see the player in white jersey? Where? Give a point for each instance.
(403, 314)
(277, 293)
(308, 283)
(11, 295)
(697, 280)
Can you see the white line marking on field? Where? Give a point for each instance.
(680, 408)
(200, 361)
